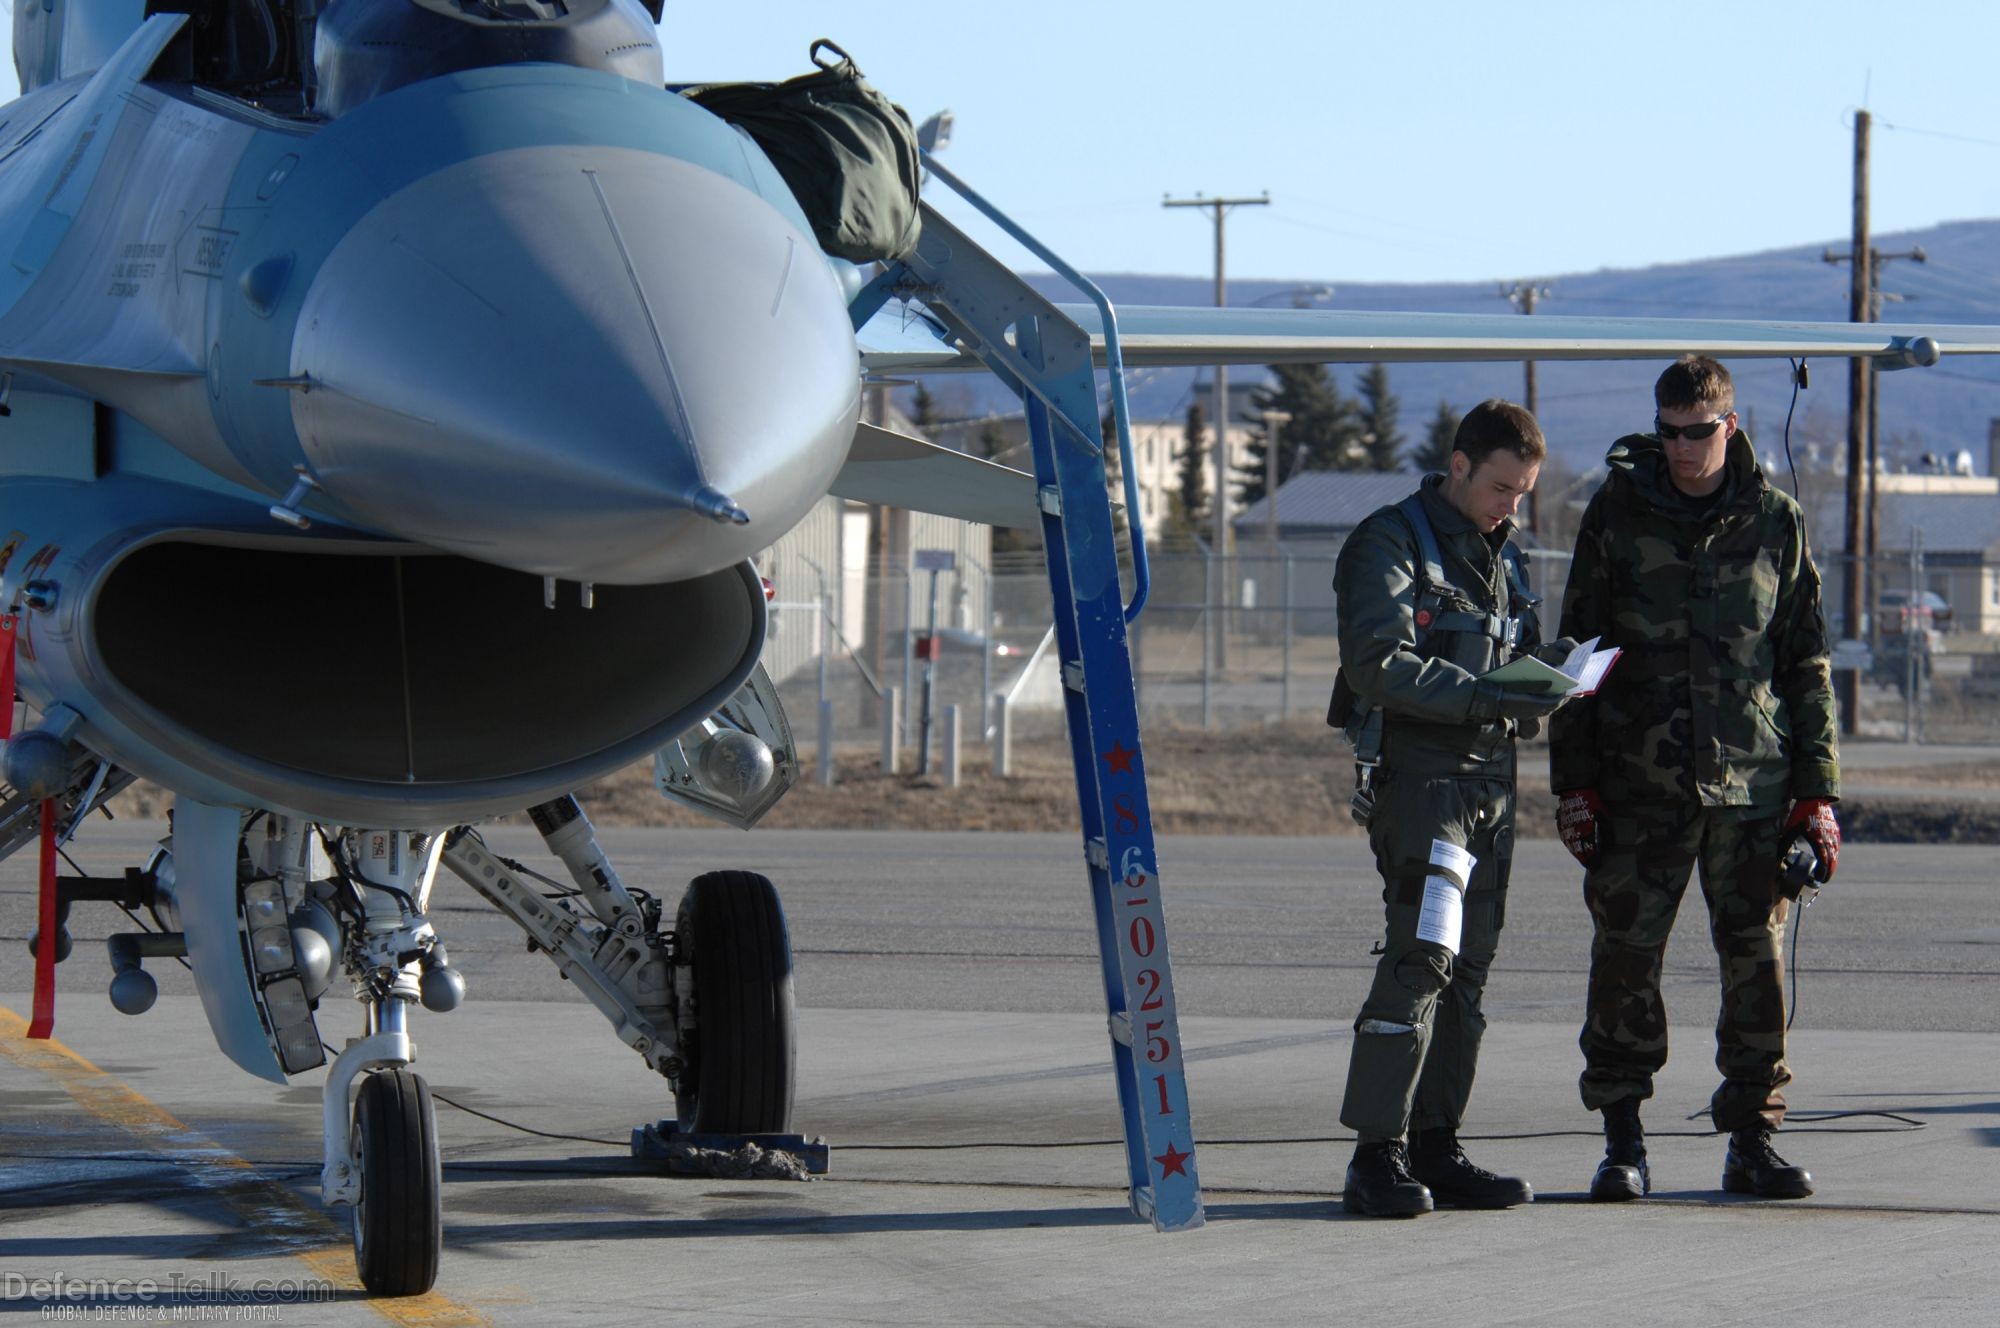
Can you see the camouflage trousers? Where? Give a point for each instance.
(1646, 853)
(1416, 1040)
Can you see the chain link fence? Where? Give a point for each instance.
(1250, 640)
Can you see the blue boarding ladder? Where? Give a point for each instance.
(1045, 358)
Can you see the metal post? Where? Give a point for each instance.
(824, 625)
(951, 746)
(909, 641)
(985, 644)
(1916, 638)
(892, 730)
(824, 757)
(930, 680)
(1207, 644)
(1003, 738)
(1285, 663)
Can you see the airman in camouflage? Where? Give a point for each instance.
(1430, 597)
(1710, 745)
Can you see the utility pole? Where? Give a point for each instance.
(1221, 546)
(1873, 433)
(1857, 423)
(1523, 295)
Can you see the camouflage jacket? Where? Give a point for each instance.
(1723, 695)
(1438, 718)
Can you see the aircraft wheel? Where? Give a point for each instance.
(398, 1221)
(739, 1051)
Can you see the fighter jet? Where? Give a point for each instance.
(394, 394)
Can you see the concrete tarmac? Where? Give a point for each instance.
(953, 1052)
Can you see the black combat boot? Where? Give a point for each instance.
(1438, 1161)
(1379, 1183)
(1623, 1173)
(1754, 1167)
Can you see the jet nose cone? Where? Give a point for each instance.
(589, 363)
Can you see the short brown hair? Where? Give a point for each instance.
(1494, 424)
(1694, 381)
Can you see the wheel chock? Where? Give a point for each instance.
(742, 1156)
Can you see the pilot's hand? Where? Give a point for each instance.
(1520, 704)
(1577, 812)
(1557, 652)
(1813, 817)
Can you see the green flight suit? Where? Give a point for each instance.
(1447, 778)
(1719, 713)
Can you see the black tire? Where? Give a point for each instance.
(740, 1053)
(398, 1221)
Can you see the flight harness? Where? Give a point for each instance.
(1440, 608)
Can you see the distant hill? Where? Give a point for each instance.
(1585, 406)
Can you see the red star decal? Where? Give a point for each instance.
(1118, 758)
(1173, 1162)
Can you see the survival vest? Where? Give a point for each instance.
(1441, 609)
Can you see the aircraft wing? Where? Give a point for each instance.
(897, 470)
(1153, 335)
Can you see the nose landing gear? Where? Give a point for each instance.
(398, 1215)
(737, 1042)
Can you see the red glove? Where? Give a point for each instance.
(1813, 817)
(1576, 821)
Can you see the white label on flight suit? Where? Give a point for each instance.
(1452, 861)
(1443, 913)
(1442, 919)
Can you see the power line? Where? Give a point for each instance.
(1940, 133)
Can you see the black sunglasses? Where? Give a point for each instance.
(1669, 432)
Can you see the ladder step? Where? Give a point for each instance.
(1098, 854)
(1121, 1028)
(1073, 676)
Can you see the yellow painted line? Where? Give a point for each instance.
(264, 1204)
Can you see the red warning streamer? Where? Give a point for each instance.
(44, 1020)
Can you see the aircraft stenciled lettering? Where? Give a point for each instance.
(211, 247)
(136, 264)
(565, 422)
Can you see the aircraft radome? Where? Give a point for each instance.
(374, 369)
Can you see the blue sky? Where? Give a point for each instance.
(1427, 140)
(1421, 140)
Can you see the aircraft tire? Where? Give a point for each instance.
(740, 1055)
(398, 1222)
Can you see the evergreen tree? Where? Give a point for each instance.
(1324, 432)
(1435, 454)
(992, 440)
(1194, 466)
(923, 410)
(1378, 412)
